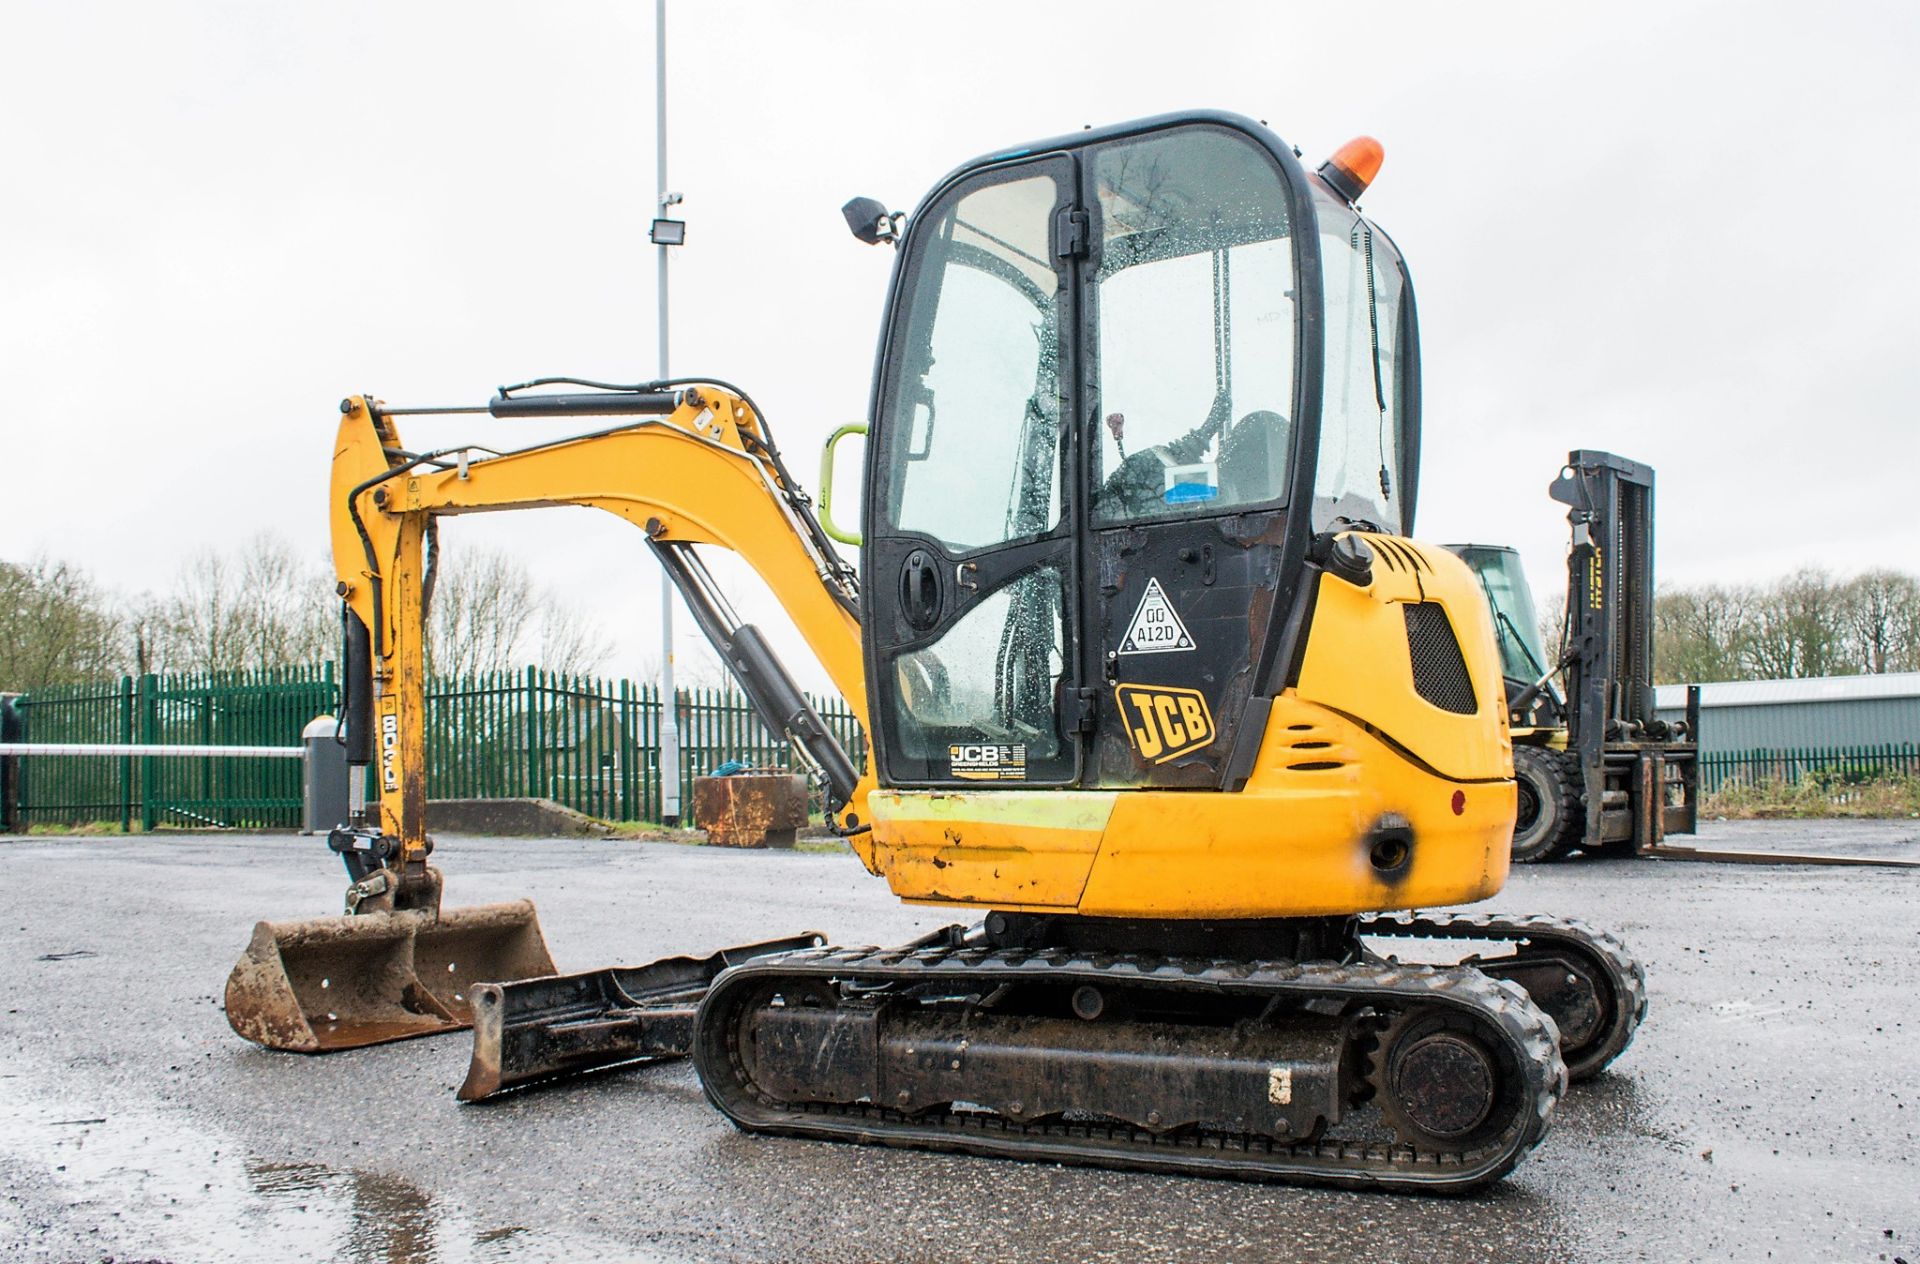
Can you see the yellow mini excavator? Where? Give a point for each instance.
(1157, 689)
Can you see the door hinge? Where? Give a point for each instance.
(1083, 710)
(1071, 231)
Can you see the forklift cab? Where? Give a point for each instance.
(1126, 377)
(1524, 658)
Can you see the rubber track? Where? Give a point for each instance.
(1529, 1035)
(1624, 975)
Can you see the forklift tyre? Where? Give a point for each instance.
(1549, 821)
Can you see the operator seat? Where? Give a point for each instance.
(1248, 473)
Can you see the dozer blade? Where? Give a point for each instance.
(570, 1024)
(328, 983)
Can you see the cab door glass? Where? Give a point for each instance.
(980, 700)
(1195, 302)
(974, 455)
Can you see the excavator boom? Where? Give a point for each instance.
(691, 465)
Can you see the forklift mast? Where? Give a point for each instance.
(1609, 597)
(1641, 774)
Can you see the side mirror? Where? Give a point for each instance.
(872, 222)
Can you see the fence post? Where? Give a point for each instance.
(533, 733)
(620, 744)
(206, 736)
(683, 771)
(13, 724)
(126, 762)
(650, 753)
(148, 705)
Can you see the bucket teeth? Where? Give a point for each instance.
(328, 983)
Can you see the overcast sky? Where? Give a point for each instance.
(1682, 232)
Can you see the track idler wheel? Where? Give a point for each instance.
(1441, 1085)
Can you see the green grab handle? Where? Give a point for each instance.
(826, 483)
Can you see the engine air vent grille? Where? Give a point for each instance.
(1439, 669)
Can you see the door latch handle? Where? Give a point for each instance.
(920, 591)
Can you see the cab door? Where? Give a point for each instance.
(1198, 447)
(969, 562)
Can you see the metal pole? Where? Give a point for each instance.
(669, 725)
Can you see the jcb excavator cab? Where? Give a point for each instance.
(1143, 393)
(1127, 377)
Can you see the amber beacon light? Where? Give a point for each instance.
(1353, 167)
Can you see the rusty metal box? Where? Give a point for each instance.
(750, 809)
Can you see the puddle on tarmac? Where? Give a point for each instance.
(150, 1183)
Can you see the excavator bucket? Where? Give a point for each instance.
(327, 983)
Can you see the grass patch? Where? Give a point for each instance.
(649, 832)
(57, 829)
(811, 840)
(1817, 795)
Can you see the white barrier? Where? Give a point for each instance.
(126, 750)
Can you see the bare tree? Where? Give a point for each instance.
(481, 614)
(292, 615)
(1798, 628)
(56, 627)
(1552, 624)
(1907, 635)
(569, 641)
(1702, 633)
(487, 614)
(1881, 614)
(263, 607)
(1804, 624)
(696, 666)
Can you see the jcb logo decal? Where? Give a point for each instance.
(389, 742)
(988, 762)
(1164, 722)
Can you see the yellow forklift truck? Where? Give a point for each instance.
(1159, 694)
(1596, 768)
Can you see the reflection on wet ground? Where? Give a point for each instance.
(155, 1184)
(391, 1221)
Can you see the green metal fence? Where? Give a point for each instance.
(590, 743)
(1834, 768)
(264, 708)
(75, 790)
(594, 744)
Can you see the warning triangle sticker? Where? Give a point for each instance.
(1156, 628)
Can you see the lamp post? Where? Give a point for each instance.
(665, 234)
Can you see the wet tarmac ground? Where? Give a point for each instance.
(1770, 1108)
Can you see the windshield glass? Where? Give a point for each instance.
(1358, 477)
(1521, 654)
